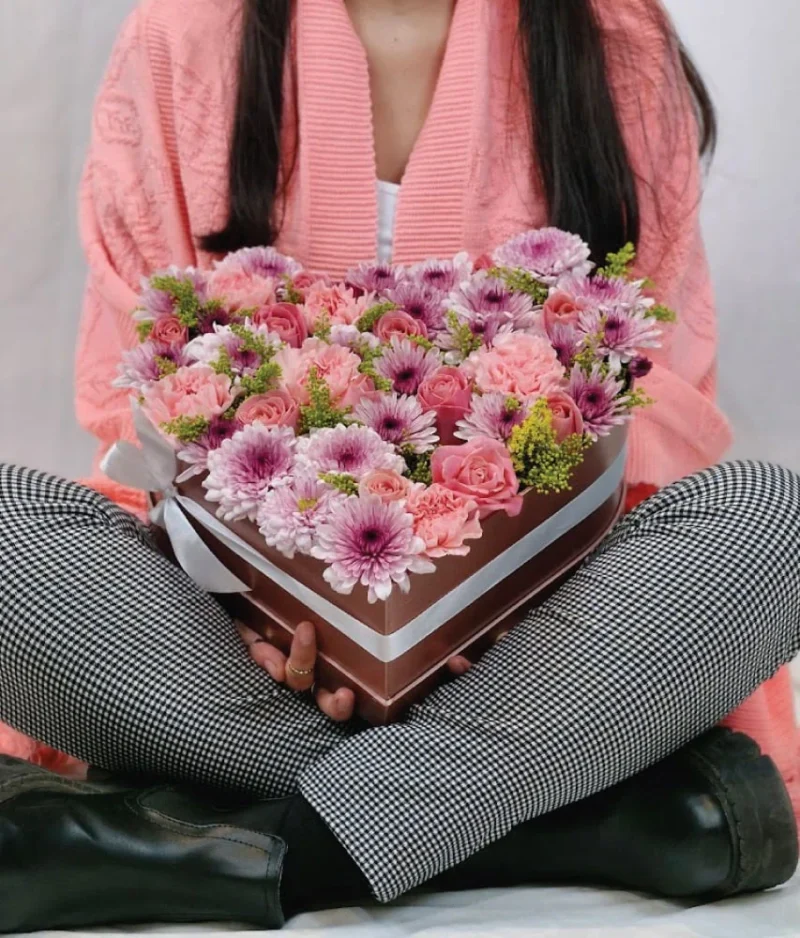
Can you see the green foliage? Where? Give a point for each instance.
(367, 367)
(252, 341)
(465, 340)
(540, 462)
(373, 314)
(264, 379)
(144, 328)
(520, 281)
(187, 305)
(223, 364)
(662, 313)
(636, 398)
(165, 366)
(587, 356)
(320, 412)
(341, 481)
(186, 429)
(322, 328)
(419, 465)
(290, 293)
(619, 263)
(421, 341)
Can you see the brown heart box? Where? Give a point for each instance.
(392, 653)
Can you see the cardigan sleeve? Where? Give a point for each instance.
(683, 431)
(132, 224)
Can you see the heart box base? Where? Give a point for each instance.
(393, 653)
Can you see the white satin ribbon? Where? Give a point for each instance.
(152, 468)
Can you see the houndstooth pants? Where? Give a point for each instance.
(111, 653)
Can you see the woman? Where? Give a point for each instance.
(493, 116)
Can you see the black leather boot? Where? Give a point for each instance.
(711, 821)
(76, 854)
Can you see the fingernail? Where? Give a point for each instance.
(273, 671)
(305, 633)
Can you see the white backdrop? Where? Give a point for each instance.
(52, 53)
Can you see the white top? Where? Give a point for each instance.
(387, 206)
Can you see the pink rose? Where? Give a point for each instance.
(285, 320)
(336, 302)
(169, 330)
(567, 419)
(560, 307)
(480, 470)
(302, 281)
(518, 364)
(336, 365)
(387, 484)
(196, 391)
(484, 262)
(273, 409)
(444, 519)
(240, 290)
(399, 323)
(446, 391)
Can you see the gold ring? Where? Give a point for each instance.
(300, 672)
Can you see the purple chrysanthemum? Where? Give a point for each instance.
(407, 364)
(640, 367)
(400, 421)
(373, 278)
(144, 364)
(155, 304)
(352, 337)
(209, 318)
(492, 415)
(288, 516)
(603, 292)
(483, 299)
(353, 450)
(547, 253)
(619, 333)
(422, 302)
(443, 276)
(566, 340)
(246, 466)
(598, 400)
(370, 542)
(260, 262)
(245, 361)
(195, 455)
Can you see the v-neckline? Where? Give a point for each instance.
(341, 139)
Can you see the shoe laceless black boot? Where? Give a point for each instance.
(711, 821)
(77, 854)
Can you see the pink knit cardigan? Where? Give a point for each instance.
(156, 179)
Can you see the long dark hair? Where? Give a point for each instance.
(580, 154)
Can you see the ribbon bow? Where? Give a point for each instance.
(153, 468)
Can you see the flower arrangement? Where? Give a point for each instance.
(373, 423)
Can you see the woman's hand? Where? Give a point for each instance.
(297, 670)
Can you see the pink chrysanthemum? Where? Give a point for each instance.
(370, 542)
(373, 278)
(443, 276)
(155, 304)
(619, 333)
(483, 299)
(260, 262)
(352, 450)
(206, 348)
(195, 455)
(246, 466)
(407, 364)
(144, 364)
(288, 516)
(598, 400)
(494, 415)
(421, 302)
(399, 420)
(547, 253)
(567, 341)
(603, 292)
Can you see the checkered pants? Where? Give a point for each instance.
(109, 652)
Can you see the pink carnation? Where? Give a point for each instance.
(273, 409)
(336, 302)
(196, 391)
(519, 364)
(443, 519)
(480, 470)
(240, 290)
(335, 365)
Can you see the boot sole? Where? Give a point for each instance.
(758, 809)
